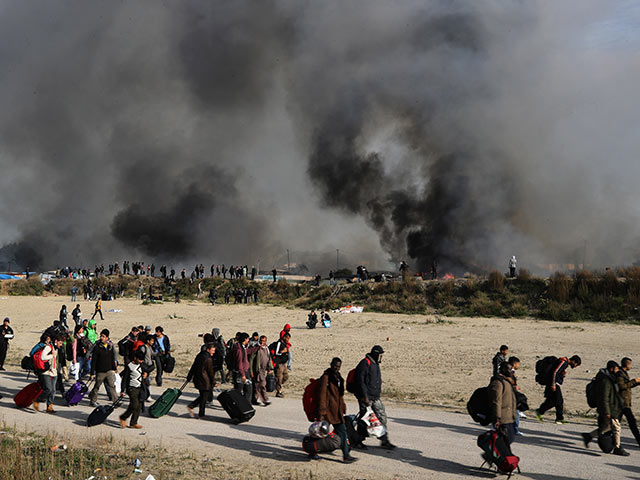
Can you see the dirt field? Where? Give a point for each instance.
(428, 360)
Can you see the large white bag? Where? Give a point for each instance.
(118, 383)
(375, 428)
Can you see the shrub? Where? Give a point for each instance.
(559, 287)
(524, 275)
(496, 281)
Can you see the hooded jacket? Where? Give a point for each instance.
(92, 333)
(608, 398)
(502, 399)
(368, 378)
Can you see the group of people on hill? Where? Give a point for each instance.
(609, 393)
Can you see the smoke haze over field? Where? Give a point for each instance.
(229, 131)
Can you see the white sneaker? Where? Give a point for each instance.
(522, 415)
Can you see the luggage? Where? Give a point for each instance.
(27, 363)
(350, 383)
(310, 399)
(166, 401)
(590, 391)
(478, 406)
(318, 445)
(168, 363)
(100, 414)
(498, 453)
(271, 382)
(606, 442)
(356, 430)
(374, 426)
(76, 393)
(522, 403)
(28, 395)
(237, 407)
(544, 369)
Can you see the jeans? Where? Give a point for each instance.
(48, 384)
(134, 406)
(631, 419)
(159, 370)
(341, 430)
(553, 399)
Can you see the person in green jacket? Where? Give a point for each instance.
(609, 406)
(92, 331)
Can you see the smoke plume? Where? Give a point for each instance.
(455, 131)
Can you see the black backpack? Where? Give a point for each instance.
(592, 399)
(544, 369)
(478, 406)
(124, 347)
(230, 358)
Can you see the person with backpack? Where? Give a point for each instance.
(609, 406)
(367, 388)
(331, 406)
(162, 348)
(219, 356)
(98, 309)
(132, 379)
(6, 334)
(625, 384)
(502, 399)
(552, 379)
(280, 355)
(104, 366)
(45, 362)
(125, 346)
(201, 372)
(287, 330)
(499, 358)
(75, 314)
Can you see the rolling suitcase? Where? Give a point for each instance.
(28, 395)
(100, 414)
(271, 382)
(76, 393)
(318, 445)
(166, 401)
(237, 407)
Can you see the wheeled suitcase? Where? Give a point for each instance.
(76, 393)
(237, 407)
(271, 382)
(100, 414)
(313, 445)
(166, 401)
(28, 395)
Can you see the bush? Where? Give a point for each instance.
(496, 281)
(559, 287)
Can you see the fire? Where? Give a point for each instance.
(448, 276)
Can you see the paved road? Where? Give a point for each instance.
(432, 443)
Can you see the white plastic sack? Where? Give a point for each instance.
(74, 371)
(375, 428)
(118, 383)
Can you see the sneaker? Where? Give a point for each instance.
(349, 459)
(621, 452)
(267, 403)
(520, 433)
(561, 422)
(123, 423)
(538, 416)
(50, 409)
(135, 426)
(586, 438)
(190, 410)
(280, 395)
(313, 456)
(388, 446)
(522, 415)
(93, 404)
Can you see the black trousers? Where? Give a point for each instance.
(633, 425)
(553, 399)
(4, 346)
(201, 401)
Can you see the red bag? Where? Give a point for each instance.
(310, 399)
(351, 376)
(28, 395)
(38, 364)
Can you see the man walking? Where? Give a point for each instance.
(242, 367)
(163, 350)
(499, 358)
(98, 308)
(201, 373)
(104, 366)
(280, 358)
(609, 405)
(6, 334)
(368, 384)
(502, 399)
(553, 391)
(132, 384)
(625, 384)
(261, 367)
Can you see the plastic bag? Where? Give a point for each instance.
(375, 428)
(320, 429)
(118, 383)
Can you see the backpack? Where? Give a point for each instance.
(350, 383)
(272, 350)
(124, 347)
(498, 453)
(27, 363)
(310, 399)
(544, 369)
(40, 365)
(230, 358)
(478, 406)
(592, 399)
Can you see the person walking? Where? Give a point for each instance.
(609, 406)
(162, 348)
(98, 308)
(75, 314)
(104, 366)
(502, 399)
(47, 378)
(74, 293)
(201, 372)
(218, 357)
(625, 384)
(261, 367)
(79, 352)
(63, 317)
(368, 385)
(280, 354)
(6, 334)
(241, 373)
(331, 406)
(553, 388)
(499, 358)
(132, 379)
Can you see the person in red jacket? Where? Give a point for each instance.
(285, 330)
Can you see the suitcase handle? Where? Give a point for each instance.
(184, 385)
